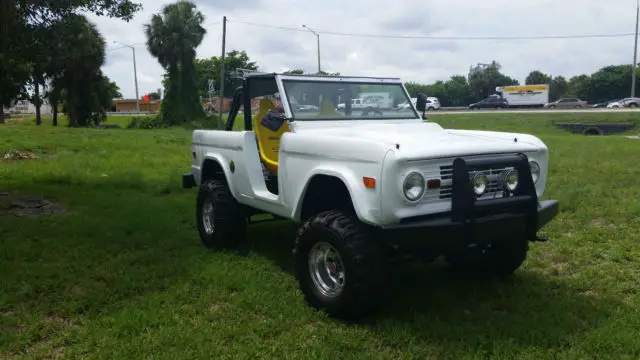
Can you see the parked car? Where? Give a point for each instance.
(433, 103)
(628, 102)
(307, 108)
(492, 102)
(604, 104)
(567, 103)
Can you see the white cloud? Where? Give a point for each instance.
(412, 59)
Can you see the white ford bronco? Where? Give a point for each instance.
(366, 187)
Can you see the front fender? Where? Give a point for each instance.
(365, 201)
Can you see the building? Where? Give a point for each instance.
(26, 107)
(129, 105)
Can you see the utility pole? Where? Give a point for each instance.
(635, 52)
(318, 44)
(224, 38)
(135, 73)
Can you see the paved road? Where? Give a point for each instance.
(445, 111)
(532, 111)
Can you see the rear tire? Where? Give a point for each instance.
(222, 223)
(350, 282)
(499, 259)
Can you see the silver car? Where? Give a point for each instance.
(567, 103)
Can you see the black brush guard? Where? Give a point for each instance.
(473, 220)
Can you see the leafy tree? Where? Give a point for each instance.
(152, 96)
(81, 74)
(537, 77)
(558, 88)
(14, 71)
(21, 21)
(610, 82)
(294, 72)
(579, 86)
(172, 37)
(456, 92)
(47, 12)
(484, 79)
(209, 69)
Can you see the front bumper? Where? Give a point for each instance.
(442, 231)
(473, 221)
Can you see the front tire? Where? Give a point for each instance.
(221, 221)
(499, 259)
(339, 267)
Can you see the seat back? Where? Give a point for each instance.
(268, 140)
(328, 109)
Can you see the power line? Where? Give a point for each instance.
(428, 37)
(142, 43)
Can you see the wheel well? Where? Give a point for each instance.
(212, 169)
(323, 193)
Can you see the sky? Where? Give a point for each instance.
(421, 60)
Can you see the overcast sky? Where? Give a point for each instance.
(423, 60)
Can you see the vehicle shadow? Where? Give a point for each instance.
(432, 303)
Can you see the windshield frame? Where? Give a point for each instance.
(363, 80)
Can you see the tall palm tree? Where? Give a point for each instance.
(172, 37)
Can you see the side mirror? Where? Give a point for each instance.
(421, 102)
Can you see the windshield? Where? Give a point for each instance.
(340, 100)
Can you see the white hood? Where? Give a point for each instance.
(423, 140)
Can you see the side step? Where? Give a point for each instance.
(250, 221)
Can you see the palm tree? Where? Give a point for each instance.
(172, 37)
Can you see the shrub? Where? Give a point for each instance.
(146, 122)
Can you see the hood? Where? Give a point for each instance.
(423, 140)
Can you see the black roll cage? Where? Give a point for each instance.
(253, 85)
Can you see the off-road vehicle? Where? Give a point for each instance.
(366, 186)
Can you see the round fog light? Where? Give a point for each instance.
(511, 180)
(479, 183)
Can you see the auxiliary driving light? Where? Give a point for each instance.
(479, 183)
(511, 178)
(413, 186)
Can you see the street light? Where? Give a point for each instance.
(135, 73)
(318, 38)
(635, 52)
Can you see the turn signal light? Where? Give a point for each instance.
(369, 182)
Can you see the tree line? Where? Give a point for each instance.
(608, 83)
(48, 50)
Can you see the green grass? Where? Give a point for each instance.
(122, 274)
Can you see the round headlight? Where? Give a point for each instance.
(511, 180)
(535, 171)
(413, 187)
(479, 183)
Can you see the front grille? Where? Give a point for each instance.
(494, 188)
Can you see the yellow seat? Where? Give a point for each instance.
(328, 109)
(268, 141)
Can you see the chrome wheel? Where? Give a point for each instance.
(326, 269)
(208, 217)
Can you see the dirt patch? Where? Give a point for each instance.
(634, 137)
(19, 155)
(28, 205)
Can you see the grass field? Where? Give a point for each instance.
(122, 275)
